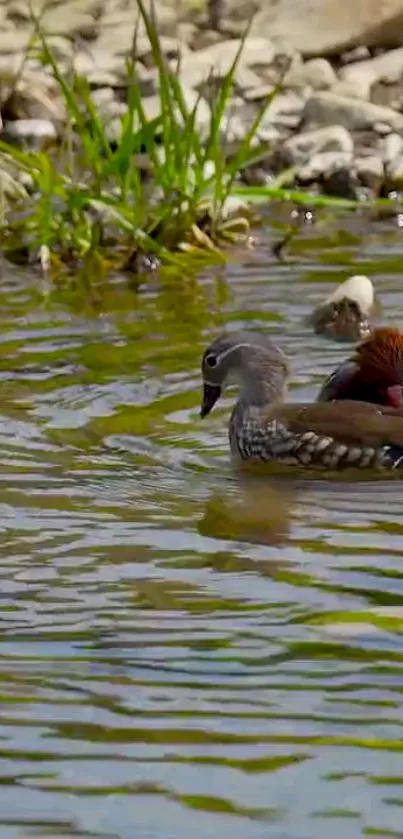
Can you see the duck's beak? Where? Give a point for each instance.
(210, 395)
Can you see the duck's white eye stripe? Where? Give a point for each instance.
(254, 347)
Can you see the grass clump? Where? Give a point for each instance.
(159, 191)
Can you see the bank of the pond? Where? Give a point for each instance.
(128, 135)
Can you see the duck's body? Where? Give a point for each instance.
(373, 374)
(264, 428)
(346, 315)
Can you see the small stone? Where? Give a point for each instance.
(234, 206)
(66, 19)
(218, 58)
(316, 73)
(354, 55)
(382, 128)
(269, 134)
(387, 68)
(102, 79)
(355, 114)
(340, 182)
(34, 132)
(261, 91)
(324, 164)
(285, 110)
(357, 88)
(14, 40)
(390, 147)
(334, 138)
(103, 96)
(370, 171)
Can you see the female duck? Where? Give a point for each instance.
(263, 427)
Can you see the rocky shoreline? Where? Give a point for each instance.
(337, 121)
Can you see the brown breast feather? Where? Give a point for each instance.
(346, 422)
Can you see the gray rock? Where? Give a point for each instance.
(218, 58)
(269, 134)
(354, 55)
(317, 74)
(324, 164)
(103, 97)
(384, 68)
(354, 114)
(334, 138)
(14, 40)
(358, 79)
(382, 128)
(261, 91)
(391, 147)
(370, 170)
(68, 19)
(356, 87)
(286, 109)
(34, 132)
(325, 27)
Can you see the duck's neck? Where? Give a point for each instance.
(258, 389)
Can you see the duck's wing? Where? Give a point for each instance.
(339, 434)
(338, 381)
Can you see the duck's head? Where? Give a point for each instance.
(374, 373)
(250, 360)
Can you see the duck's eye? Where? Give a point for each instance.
(211, 360)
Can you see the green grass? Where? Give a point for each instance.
(90, 203)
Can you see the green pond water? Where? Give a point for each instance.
(184, 651)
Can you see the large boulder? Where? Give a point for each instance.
(325, 27)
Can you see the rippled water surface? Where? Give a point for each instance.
(185, 652)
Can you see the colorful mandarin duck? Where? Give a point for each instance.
(347, 313)
(373, 374)
(354, 430)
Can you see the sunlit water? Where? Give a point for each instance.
(185, 652)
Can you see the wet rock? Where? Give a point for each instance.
(341, 182)
(32, 132)
(391, 147)
(325, 27)
(354, 114)
(334, 138)
(370, 171)
(324, 165)
(317, 74)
